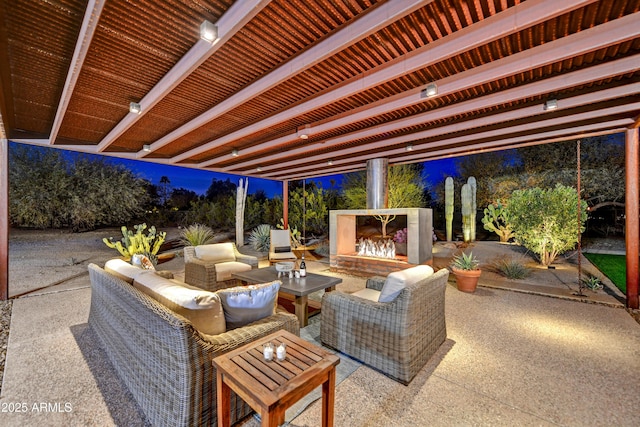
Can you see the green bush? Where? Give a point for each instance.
(196, 234)
(546, 221)
(47, 190)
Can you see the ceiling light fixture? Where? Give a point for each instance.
(135, 108)
(430, 91)
(146, 147)
(234, 153)
(303, 132)
(409, 147)
(330, 162)
(259, 169)
(551, 104)
(208, 32)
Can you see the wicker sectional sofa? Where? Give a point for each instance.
(164, 362)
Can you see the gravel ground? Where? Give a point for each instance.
(5, 320)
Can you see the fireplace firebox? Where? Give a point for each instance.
(343, 254)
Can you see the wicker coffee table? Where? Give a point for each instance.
(270, 387)
(300, 288)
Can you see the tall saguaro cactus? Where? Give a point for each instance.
(241, 199)
(465, 195)
(474, 208)
(448, 207)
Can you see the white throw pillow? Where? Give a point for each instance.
(202, 308)
(246, 304)
(398, 280)
(216, 252)
(122, 269)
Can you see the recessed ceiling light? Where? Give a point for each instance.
(330, 162)
(303, 132)
(409, 147)
(208, 32)
(430, 91)
(259, 169)
(135, 108)
(146, 147)
(551, 104)
(234, 153)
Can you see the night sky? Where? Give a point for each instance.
(199, 180)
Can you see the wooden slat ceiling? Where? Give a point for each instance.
(350, 73)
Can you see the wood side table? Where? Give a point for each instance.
(270, 387)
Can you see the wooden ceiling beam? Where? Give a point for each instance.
(364, 26)
(238, 15)
(550, 85)
(501, 25)
(87, 30)
(470, 148)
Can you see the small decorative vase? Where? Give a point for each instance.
(467, 280)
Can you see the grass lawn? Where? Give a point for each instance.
(612, 266)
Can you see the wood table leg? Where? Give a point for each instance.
(301, 305)
(328, 398)
(224, 402)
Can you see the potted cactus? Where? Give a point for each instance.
(465, 268)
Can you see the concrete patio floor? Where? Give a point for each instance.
(511, 358)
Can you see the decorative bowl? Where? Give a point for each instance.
(284, 266)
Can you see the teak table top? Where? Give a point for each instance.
(270, 387)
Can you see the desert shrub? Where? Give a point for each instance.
(196, 234)
(592, 282)
(545, 221)
(260, 238)
(322, 248)
(49, 190)
(512, 268)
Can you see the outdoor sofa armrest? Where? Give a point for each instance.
(247, 259)
(375, 282)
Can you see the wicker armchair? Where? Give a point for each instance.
(396, 338)
(213, 274)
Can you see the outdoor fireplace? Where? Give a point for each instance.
(346, 255)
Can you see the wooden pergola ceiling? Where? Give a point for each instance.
(350, 74)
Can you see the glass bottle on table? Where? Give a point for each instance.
(303, 267)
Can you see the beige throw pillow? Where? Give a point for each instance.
(216, 252)
(202, 308)
(246, 304)
(398, 280)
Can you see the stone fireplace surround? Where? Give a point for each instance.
(343, 237)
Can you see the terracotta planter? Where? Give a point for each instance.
(467, 280)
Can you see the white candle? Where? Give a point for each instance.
(268, 352)
(281, 352)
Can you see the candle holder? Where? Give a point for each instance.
(268, 352)
(281, 352)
